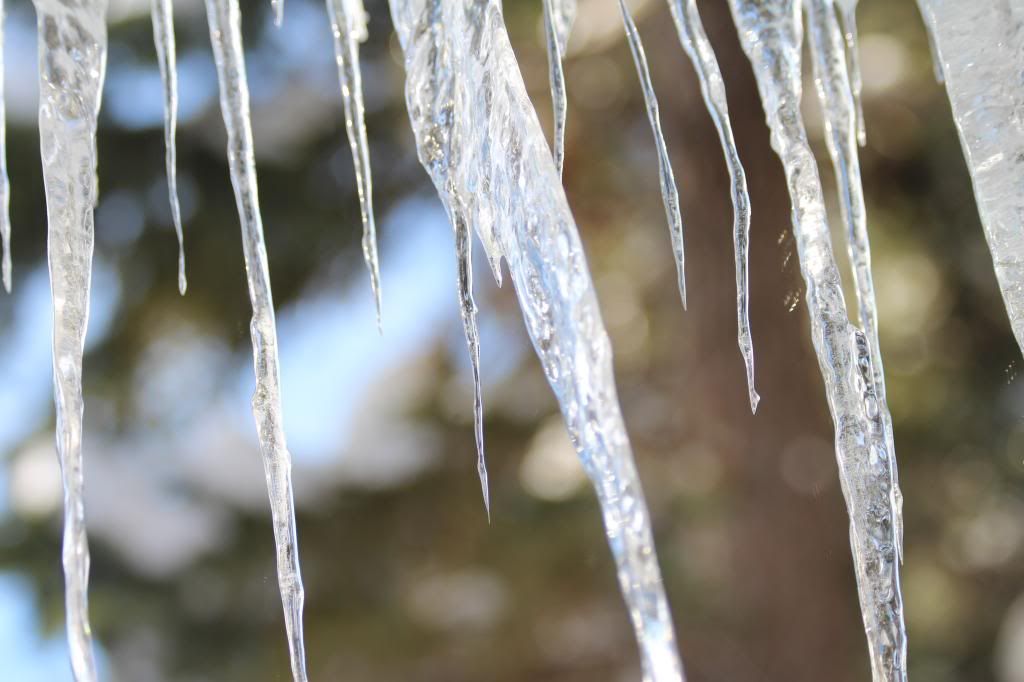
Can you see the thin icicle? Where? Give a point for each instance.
(72, 64)
(226, 38)
(467, 308)
(163, 39)
(771, 34)
(712, 86)
(669, 193)
(479, 139)
(836, 96)
(559, 16)
(278, 7)
(5, 186)
(980, 48)
(348, 23)
(848, 14)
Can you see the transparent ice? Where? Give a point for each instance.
(771, 33)
(72, 64)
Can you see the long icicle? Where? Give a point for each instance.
(163, 39)
(978, 50)
(841, 120)
(771, 34)
(669, 193)
(348, 23)
(559, 16)
(467, 309)
(5, 186)
(712, 86)
(226, 38)
(72, 65)
(848, 15)
(479, 139)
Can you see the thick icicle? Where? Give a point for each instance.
(72, 64)
(669, 193)
(559, 16)
(226, 38)
(770, 31)
(479, 138)
(163, 39)
(836, 96)
(979, 49)
(467, 308)
(712, 86)
(5, 186)
(848, 14)
(348, 23)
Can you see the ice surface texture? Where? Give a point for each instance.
(980, 52)
(479, 139)
(771, 34)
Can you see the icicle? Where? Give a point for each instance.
(848, 14)
(467, 308)
(712, 86)
(72, 64)
(770, 32)
(278, 7)
(559, 16)
(978, 45)
(226, 38)
(163, 39)
(479, 138)
(669, 193)
(348, 23)
(5, 187)
(835, 93)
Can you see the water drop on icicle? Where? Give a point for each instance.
(712, 87)
(669, 193)
(771, 34)
(835, 91)
(163, 39)
(467, 309)
(479, 139)
(348, 24)
(72, 64)
(559, 16)
(5, 185)
(978, 48)
(226, 38)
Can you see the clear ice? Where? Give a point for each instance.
(848, 14)
(771, 34)
(979, 47)
(72, 64)
(5, 186)
(226, 38)
(479, 139)
(559, 16)
(697, 46)
(669, 193)
(348, 24)
(163, 39)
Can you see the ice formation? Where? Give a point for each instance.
(163, 39)
(980, 50)
(771, 34)
(72, 64)
(348, 24)
(226, 38)
(669, 193)
(559, 16)
(479, 139)
(5, 187)
(712, 86)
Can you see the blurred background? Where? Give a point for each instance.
(405, 579)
